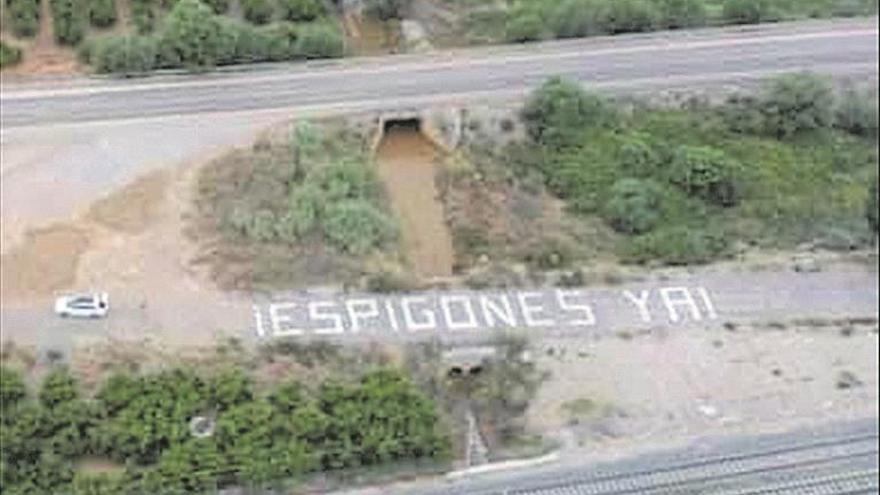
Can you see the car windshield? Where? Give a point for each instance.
(439, 246)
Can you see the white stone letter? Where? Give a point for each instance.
(529, 311)
(316, 314)
(494, 312)
(279, 319)
(589, 318)
(361, 309)
(679, 296)
(464, 302)
(641, 302)
(430, 322)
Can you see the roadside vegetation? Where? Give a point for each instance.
(9, 54)
(303, 206)
(255, 435)
(532, 20)
(795, 163)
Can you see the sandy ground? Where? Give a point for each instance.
(648, 389)
(407, 166)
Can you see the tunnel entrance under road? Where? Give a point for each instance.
(408, 163)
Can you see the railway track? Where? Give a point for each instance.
(837, 462)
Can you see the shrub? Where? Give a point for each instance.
(143, 14)
(579, 18)
(750, 11)
(257, 11)
(191, 37)
(9, 55)
(102, 13)
(24, 15)
(357, 227)
(524, 27)
(385, 9)
(872, 205)
(858, 112)
(798, 102)
(676, 245)
(560, 109)
(320, 41)
(706, 173)
(677, 14)
(69, 21)
(301, 10)
(58, 387)
(632, 16)
(126, 54)
(12, 388)
(218, 6)
(635, 206)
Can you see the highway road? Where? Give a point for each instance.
(67, 142)
(831, 460)
(643, 62)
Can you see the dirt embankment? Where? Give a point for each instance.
(408, 167)
(51, 259)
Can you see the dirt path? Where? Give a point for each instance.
(407, 165)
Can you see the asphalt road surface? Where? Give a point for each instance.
(832, 460)
(67, 142)
(647, 62)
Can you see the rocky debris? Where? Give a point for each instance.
(806, 264)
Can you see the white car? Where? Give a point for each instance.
(92, 305)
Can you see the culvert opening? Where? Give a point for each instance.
(413, 124)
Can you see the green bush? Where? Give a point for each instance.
(192, 37)
(24, 15)
(320, 41)
(257, 11)
(357, 227)
(98, 484)
(524, 27)
(125, 54)
(58, 387)
(385, 9)
(858, 112)
(69, 21)
(678, 14)
(635, 206)
(102, 13)
(872, 205)
(12, 388)
(558, 111)
(301, 10)
(750, 11)
(706, 173)
(9, 55)
(143, 15)
(793, 103)
(632, 16)
(579, 18)
(218, 6)
(676, 245)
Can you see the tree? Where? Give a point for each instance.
(58, 387)
(678, 14)
(191, 36)
(230, 388)
(858, 112)
(69, 21)
(12, 388)
(635, 206)
(301, 10)
(24, 15)
(257, 11)
(125, 54)
(559, 110)
(102, 13)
